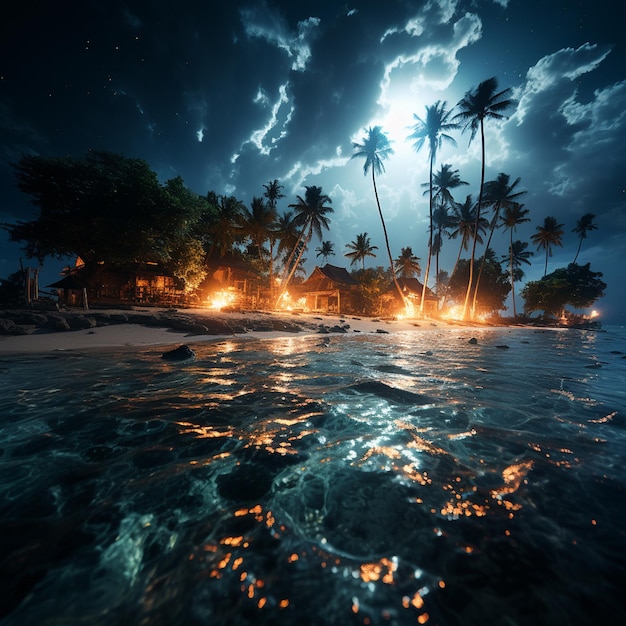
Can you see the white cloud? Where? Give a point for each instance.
(262, 22)
(278, 117)
(551, 71)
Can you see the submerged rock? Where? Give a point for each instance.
(182, 353)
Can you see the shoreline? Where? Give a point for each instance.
(137, 328)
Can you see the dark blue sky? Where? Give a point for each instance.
(232, 97)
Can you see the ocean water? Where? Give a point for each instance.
(405, 478)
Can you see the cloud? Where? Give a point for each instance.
(264, 22)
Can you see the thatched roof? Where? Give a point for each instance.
(414, 286)
(337, 274)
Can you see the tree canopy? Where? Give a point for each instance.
(105, 207)
(575, 285)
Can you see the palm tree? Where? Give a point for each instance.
(361, 248)
(513, 216)
(375, 148)
(258, 222)
(464, 224)
(326, 250)
(310, 217)
(434, 130)
(517, 255)
(484, 102)
(273, 193)
(548, 235)
(443, 181)
(583, 225)
(407, 264)
(288, 234)
(498, 193)
(226, 230)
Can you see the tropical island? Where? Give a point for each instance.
(137, 241)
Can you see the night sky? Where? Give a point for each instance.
(231, 95)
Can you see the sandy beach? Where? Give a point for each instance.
(137, 334)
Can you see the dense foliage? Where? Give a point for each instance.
(575, 285)
(493, 289)
(106, 208)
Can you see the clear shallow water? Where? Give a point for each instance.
(379, 479)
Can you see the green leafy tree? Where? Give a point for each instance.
(584, 225)
(480, 104)
(361, 248)
(432, 130)
(494, 287)
(548, 235)
(575, 285)
(374, 148)
(106, 208)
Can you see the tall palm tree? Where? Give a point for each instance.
(361, 248)
(583, 226)
(512, 217)
(442, 222)
(375, 148)
(327, 249)
(434, 131)
(499, 193)
(443, 181)
(478, 105)
(407, 264)
(226, 230)
(288, 234)
(464, 225)
(547, 236)
(258, 222)
(310, 217)
(517, 255)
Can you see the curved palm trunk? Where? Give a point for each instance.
(580, 243)
(430, 236)
(512, 278)
(458, 258)
(297, 261)
(480, 201)
(382, 221)
(482, 261)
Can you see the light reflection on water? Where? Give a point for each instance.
(382, 479)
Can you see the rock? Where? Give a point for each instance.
(473, 341)
(503, 347)
(182, 353)
(5, 326)
(382, 331)
(80, 322)
(56, 322)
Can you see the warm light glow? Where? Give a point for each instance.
(594, 313)
(222, 299)
(287, 303)
(409, 311)
(452, 313)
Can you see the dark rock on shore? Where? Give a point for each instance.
(182, 353)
